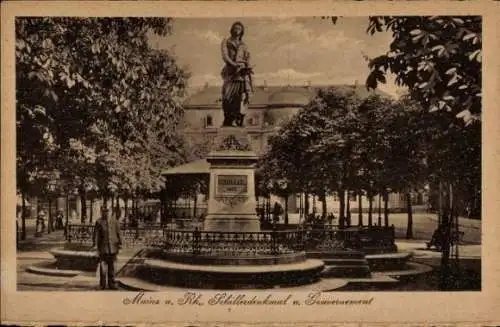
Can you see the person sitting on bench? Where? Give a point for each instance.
(437, 238)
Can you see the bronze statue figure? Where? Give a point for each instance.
(237, 76)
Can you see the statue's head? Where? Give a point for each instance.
(237, 30)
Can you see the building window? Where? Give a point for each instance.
(209, 121)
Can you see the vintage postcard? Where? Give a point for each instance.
(263, 162)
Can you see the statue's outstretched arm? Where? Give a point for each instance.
(225, 54)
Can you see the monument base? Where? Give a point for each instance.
(232, 203)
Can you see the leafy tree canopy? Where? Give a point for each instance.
(438, 58)
(95, 102)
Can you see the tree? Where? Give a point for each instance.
(408, 162)
(438, 58)
(108, 103)
(320, 149)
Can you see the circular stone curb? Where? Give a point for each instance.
(395, 256)
(136, 284)
(387, 262)
(46, 271)
(212, 260)
(71, 253)
(243, 269)
(417, 269)
(70, 259)
(165, 273)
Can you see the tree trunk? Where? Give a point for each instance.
(137, 205)
(57, 205)
(113, 212)
(379, 209)
(49, 225)
(446, 221)
(440, 203)
(306, 204)
(324, 207)
(286, 210)
(386, 208)
(360, 208)
(348, 210)
(195, 203)
(118, 208)
(126, 209)
(409, 228)
(67, 215)
(105, 199)
(341, 194)
(23, 216)
(370, 208)
(174, 213)
(91, 218)
(314, 205)
(83, 202)
(301, 208)
(163, 206)
(37, 205)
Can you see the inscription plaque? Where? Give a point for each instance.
(232, 184)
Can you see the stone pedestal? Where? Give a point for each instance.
(232, 203)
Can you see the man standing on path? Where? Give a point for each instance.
(108, 240)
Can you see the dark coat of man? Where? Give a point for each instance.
(108, 241)
(107, 236)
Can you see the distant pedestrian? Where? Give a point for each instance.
(40, 223)
(108, 241)
(59, 219)
(277, 211)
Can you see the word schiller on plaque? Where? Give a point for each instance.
(232, 184)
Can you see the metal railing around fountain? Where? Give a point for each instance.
(131, 236)
(242, 243)
(234, 243)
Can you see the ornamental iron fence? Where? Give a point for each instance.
(199, 242)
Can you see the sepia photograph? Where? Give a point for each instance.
(168, 162)
(321, 153)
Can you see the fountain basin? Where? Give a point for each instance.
(229, 276)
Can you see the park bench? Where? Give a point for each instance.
(456, 238)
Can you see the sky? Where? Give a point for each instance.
(284, 50)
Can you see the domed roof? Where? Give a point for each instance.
(290, 96)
